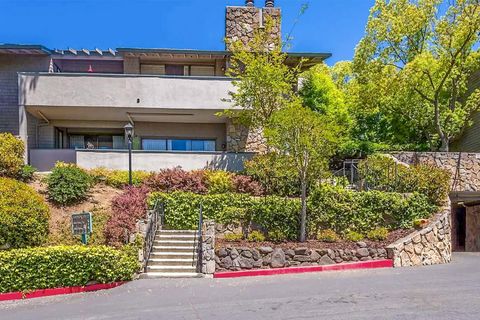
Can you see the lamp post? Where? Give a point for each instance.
(129, 133)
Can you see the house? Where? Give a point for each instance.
(72, 105)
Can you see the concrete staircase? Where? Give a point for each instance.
(174, 255)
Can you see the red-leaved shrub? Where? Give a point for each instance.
(176, 179)
(127, 208)
(245, 184)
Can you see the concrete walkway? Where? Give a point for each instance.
(437, 292)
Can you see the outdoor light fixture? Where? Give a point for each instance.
(129, 133)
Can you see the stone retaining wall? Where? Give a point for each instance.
(208, 248)
(240, 258)
(431, 245)
(465, 167)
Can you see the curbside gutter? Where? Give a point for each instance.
(19, 295)
(294, 270)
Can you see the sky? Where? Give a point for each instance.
(332, 26)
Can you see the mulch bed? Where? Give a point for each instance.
(314, 244)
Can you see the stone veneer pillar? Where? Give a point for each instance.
(208, 248)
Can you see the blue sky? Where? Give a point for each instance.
(333, 26)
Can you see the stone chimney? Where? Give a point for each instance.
(241, 22)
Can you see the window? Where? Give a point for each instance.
(178, 144)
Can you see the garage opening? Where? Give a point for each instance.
(460, 217)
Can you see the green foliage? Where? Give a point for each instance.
(340, 209)
(63, 266)
(68, 184)
(327, 235)
(271, 212)
(419, 223)
(382, 172)
(26, 173)
(219, 181)
(118, 178)
(11, 155)
(353, 236)
(233, 237)
(256, 236)
(378, 234)
(275, 172)
(23, 214)
(412, 68)
(276, 236)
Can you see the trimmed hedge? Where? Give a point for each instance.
(12, 151)
(118, 178)
(64, 266)
(343, 210)
(23, 215)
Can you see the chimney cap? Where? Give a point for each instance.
(269, 3)
(249, 3)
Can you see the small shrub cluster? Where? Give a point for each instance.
(233, 237)
(11, 155)
(68, 184)
(118, 178)
(383, 173)
(256, 236)
(353, 236)
(63, 266)
(127, 208)
(277, 236)
(378, 234)
(219, 181)
(327, 235)
(23, 215)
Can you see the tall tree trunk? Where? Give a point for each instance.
(303, 213)
(445, 142)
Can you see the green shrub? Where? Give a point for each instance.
(378, 234)
(64, 266)
(327, 235)
(419, 223)
(23, 215)
(383, 173)
(256, 236)
(276, 236)
(68, 184)
(117, 178)
(26, 173)
(219, 181)
(232, 237)
(11, 155)
(353, 236)
(270, 213)
(340, 209)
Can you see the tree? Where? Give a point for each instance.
(430, 60)
(263, 81)
(308, 139)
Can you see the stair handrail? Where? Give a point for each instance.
(155, 219)
(200, 238)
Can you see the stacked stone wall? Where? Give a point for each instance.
(243, 139)
(208, 248)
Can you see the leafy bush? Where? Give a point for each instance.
(127, 209)
(63, 266)
(23, 215)
(26, 173)
(218, 181)
(353, 236)
(340, 209)
(383, 173)
(327, 235)
(232, 237)
(118, 178)
(378, 234)
(420, 223)
(11, 155)
(68, 184)
(246, 184)
(271, 212)
(256, 236)
(275, 173)
(176, 179)
(276, 236)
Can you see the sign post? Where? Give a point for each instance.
(82, 225)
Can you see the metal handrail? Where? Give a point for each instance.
(155, 219)
(200, 238)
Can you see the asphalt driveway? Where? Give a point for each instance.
(437, 292)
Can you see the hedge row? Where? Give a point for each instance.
(328, 208)
(64, 266)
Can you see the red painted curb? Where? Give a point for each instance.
(332, 267)
(57, 291)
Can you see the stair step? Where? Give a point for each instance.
(176, 249)
(158, 275)
(174, 243)
(172, 262)
(176, 232)
(174, 269)
(176, 237)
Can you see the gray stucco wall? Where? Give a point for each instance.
(9, 110)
